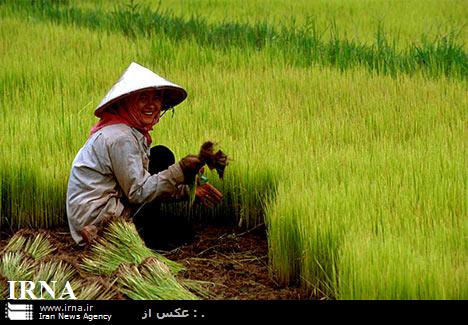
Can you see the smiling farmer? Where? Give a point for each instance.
(116, 172)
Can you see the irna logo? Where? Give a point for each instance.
(26, 290)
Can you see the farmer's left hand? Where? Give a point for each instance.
(208, 195)
(190, 166)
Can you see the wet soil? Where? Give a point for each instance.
(235, 261)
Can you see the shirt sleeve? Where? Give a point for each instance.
(137, 183)
(181, 193)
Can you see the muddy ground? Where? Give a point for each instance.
(234, 262)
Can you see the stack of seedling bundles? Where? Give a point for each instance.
(118, 263)
(30, 258)
(140, 272)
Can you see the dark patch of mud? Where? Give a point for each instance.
(235, 261)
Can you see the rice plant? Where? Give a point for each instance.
(94, 290)
(198, 287)
(55, 270)
(15, 243)
(3, 290)
(121, 244)
(443, 56)
(141, 272)
(15, 266)
(56, 273)
(151, 280)
(37, 246)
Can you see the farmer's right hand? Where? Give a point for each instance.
(190, 166)
(208, 195)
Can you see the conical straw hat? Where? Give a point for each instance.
(137, 78)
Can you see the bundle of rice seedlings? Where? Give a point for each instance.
(16, 243)
(121, 244)
(54, 270)
(198, 287)
(215, 160)
(55, 273)
(37, 246)
(151, 280)
(16, 266)
(92, 290)
(3, 290)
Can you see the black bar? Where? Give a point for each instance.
(308, 311)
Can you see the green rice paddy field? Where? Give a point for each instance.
(346, 122)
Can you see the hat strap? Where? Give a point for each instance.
(169, 109)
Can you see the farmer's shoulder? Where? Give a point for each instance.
(116, 131)
(117, 138)
(117, 134)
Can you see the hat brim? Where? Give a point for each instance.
(172, 96)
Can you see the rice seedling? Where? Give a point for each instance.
(200, 288)
(443, 56)
(15, 243)
(121, 244)
(39, 247)
(387, 269)
(15, 266)
(93, 290)
(22, 260)
(283, 241)
(214, 160)
(55, 270)
(151, 280)
(3, 289)
(36, 246)
(355, 18)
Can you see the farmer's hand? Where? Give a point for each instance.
(208, 195)
(190, 166)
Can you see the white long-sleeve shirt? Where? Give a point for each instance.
(114, 163)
